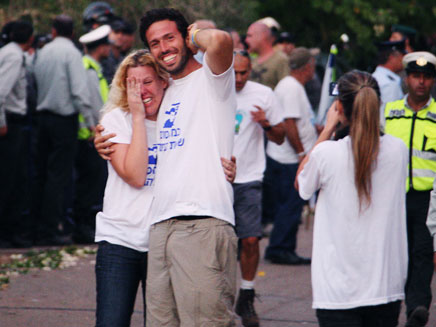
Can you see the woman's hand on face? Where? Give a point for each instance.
(134, 98)
(332, 117)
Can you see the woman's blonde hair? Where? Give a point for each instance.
(118, 92)
(359, 94)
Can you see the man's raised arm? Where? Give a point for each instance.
(218, 45)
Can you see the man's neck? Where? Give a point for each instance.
(191, 66)
(299, 77)
(266, 53)
(95, 56)
(417, 104)
(116, 52)
(389, 67)
(24, 47)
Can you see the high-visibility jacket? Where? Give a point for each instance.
(418, 132)
(84, 133)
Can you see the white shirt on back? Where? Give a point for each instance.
(249, 136)
(126, 216)
(359, 258)
(295, 104)
(195, 129)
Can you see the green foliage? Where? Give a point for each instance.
(316, 23)
(226, 13)
(44, 259)
(319, 23)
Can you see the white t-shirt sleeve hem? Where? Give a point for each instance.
(116, 122)
(209, 71)
(309, 178)
(223, 83)
(275, 111)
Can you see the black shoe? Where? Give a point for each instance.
(245, 308)
(418, 317)
(287, 258)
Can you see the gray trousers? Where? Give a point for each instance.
(191, 278)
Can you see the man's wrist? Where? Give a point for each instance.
(265, 125)
(193, 35)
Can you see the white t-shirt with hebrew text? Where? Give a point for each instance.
(126, 216)
(195, 128)
(249, 148)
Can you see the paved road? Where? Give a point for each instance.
(67, 297)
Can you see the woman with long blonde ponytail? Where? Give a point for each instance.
(360, 96)
(359, 261)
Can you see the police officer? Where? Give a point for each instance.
(14, 138)
(406, 33)
(389, 62)
(90, 169)
(413, 119)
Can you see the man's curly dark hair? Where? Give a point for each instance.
(156, 15)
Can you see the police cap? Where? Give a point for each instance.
(392, 46)
(403, 29)
(96, 37)
(98, 12)
(420, 61)
(120, 25)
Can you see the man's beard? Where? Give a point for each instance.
(186, 53)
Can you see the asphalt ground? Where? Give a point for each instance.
(66, 297)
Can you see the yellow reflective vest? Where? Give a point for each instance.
(418, 132)
(84, 133)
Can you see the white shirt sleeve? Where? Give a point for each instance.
(290, 99)
(222, 84)
(116, 121)
(78, 88)
(10, 71)
(309, 180)
(273, 109)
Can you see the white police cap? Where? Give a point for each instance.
(420, 61)
(95, 35)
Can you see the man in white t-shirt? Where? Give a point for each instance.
(283, 159)
(192, 257)
(258, 111)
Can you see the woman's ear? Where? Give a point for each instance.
(340, 108)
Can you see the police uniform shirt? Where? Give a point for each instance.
(389, 83)
(12, 82)
(61, 80)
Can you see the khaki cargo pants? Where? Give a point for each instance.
(191, 277)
